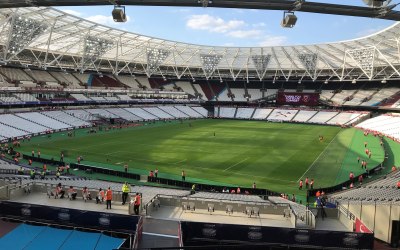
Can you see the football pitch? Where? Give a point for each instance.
(274, 155)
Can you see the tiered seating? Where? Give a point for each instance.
(244, 113)
(383, 190)
(208, 94)
(81, 114)
(343, 118)
(67, 79)
(22, 124)
(189, 111)
(142, 113)
(39, 118)
(304, 115)
(261, 114)
(128, 81)
(201, 110)
(282, 115)
(270, 92)
(359, 97)
(158, 112)
(101, 113)
(173, 111)
(111, 98)
(15, 74)
(124, 97)
(322, 117)
(223, 96)
(9, 99)
(84, 78)
(326, 94)
(239, 95)
(186, 87)
(340, 97)
(227, 112)
(26, 97)
(144, 81)
(9, 132)
(255, 94)
(66, 118)
(97, 98)
(385, 124)
(43, 76)
(200, 91)
(124, 114)
(80, 97)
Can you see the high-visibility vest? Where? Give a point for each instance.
(109, 195)
(126, 188)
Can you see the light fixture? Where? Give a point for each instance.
(354, 81)
(375, 3)
(326, 81)
(384, 80)
(210, 62)
(155, 57)
(289, 19)
(119, 14)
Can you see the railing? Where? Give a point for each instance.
(346, 212)
(310, 218)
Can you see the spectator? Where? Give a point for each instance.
(238, 190)
(126, 188)
(360, 179)
(38, 154)
(301, 185)
(72, 193)
(293, 198)
(398, 185)
(156, 173)
(254, 185)
(108, 197)
(351, 177)
(306, 183)
(225, 190)
(393, 168)
(312, 184)
(321, 202)
(59, 191)
(86, 194)
(100, 196)
(30, 162)
(126, 168)
(318, 194)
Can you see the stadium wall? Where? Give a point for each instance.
(378, 217)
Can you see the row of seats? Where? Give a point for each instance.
(384, 124)
(295, 115)
(21, 124)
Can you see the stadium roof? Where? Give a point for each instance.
(47, 37)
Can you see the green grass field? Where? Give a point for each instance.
(274, 155)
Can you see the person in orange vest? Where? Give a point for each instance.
(136, 204)
(301, 185)
(100, 196)
(318, 194)
(45, 168)
(108, 197)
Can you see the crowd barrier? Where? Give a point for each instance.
(211, 234)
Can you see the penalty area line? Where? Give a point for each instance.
(323, 152)
(235, 164)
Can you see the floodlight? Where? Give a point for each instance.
(375, 3)
(354, 81)
(289, 19)
(118, 14)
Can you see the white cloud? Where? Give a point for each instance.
(105, 20)
(73, 12)
(213, 24)
(259, 24)
(245, 33)
(270, 40)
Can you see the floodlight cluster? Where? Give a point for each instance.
(209, 63)
(24, 31)
(94, 48)
(309, 61)
(155, 57)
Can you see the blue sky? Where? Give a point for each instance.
(235, 27)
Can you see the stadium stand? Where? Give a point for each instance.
(304, 115)
(385, 124)
(239, 95)
(42, 76)
(128, 81)
(223, 96)
(41, 119)
(227, 112)
(282, 115)
(142, 113)
(81, 114)
(66, 79)
(123, 114)
(10, 132)
(124, 97)
(189, 111)
(255, 94)
(83, 78)
(323, 116)
(228, 196)
(22, 124)
(261, 114)
(186, 87)
(144, 81)
(158, 112)
(173, 111)
(244, 113)
(80, 97)
(101, 113)
(345, 118)
(66, 118)
(9, 99)
(202, 111)
(26, 97)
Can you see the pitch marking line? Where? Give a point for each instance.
(323, 152)
(236, 164)
(161, 235)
